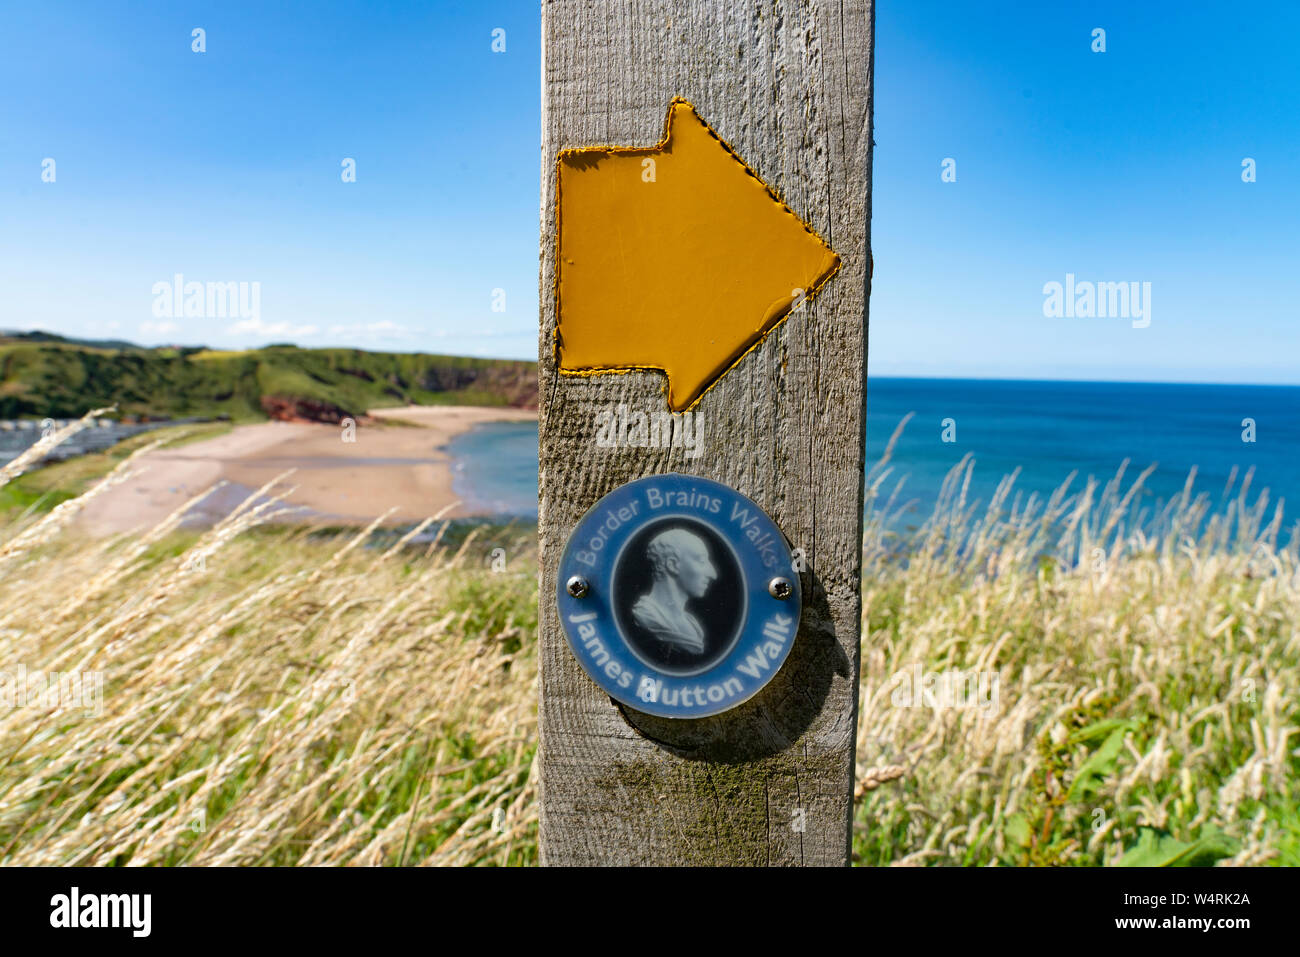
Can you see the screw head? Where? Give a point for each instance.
(780, 588)
(577, 586)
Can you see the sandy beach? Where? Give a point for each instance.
(391, 464)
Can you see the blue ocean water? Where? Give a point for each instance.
(1046, 429)
(494, 468)
(1050, 429)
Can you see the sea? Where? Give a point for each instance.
(1046, 429)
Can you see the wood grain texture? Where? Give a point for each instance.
(788, 85)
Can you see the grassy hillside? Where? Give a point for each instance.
(60, 378)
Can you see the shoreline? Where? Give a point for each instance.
(397, 459)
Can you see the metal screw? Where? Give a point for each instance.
(577, 586)
(780, 588)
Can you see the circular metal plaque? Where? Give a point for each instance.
(677, 596)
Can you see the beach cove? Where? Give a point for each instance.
(398, 460)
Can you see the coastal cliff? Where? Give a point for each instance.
(44, 375)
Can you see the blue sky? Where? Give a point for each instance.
(1122, 166)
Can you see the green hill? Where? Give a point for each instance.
(44, 375)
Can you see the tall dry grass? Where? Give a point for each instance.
(267, 699)
(277, 697)
(1146, 664)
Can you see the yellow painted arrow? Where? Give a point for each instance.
(676, 257)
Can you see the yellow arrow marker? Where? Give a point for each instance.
(677, 257)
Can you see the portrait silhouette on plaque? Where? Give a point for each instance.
(680, 570)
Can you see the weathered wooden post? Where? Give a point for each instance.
(706, 171)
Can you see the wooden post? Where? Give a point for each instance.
(788, 86)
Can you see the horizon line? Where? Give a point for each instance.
(927, 377)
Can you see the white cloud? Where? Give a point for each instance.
(151, 328)
(260, 328)
(383, 329)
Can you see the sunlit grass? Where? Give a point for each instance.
(263, 704)
(1146, 667)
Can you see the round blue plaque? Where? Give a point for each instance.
(678, 596)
